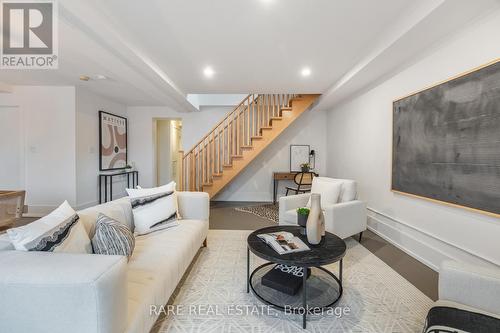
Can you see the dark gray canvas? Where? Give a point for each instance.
(446, 141)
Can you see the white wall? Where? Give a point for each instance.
(48, 131)
(141, 134)
(88, 106)
(359, 140)
(11, 148)
(253, 184)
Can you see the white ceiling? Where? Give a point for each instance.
(154, 51)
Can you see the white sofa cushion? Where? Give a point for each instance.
(119, 210)
(328, 189)
(157, 266)
(349, 191)
(59, 231)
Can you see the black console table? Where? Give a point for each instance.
(109, 176)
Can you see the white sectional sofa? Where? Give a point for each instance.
(88, 293)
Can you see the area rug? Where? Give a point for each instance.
(267, 211)
(379, 299)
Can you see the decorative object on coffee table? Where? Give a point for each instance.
(315, 227)
(305, 167)
(302, 214)
(284, 278)
(321, 290)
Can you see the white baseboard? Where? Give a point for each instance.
(422, 246)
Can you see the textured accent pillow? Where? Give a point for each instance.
(142, 192)
(59, 231)
(153, 212)
(329, 191)
(112, 237)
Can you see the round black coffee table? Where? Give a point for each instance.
(322, 289)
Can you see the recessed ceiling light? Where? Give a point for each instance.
(208, 72)
(306, 71)
(101, 77)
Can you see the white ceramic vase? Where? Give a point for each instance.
(316, 221)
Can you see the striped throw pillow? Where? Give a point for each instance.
(112, 237)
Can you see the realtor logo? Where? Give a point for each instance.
(29, 35)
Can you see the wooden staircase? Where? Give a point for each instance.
(240, 137)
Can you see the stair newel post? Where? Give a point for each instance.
(216, 147)
(191, 171)
(202, 172)
(205, 161)
(209, 158)
(238, 123)
(250, 121)
(181, 167)
(194, 170)
(224, 143)
(274, 107)
(213, 156)
(269, 101)
(256, 123)
(230, 140)
(247, 137)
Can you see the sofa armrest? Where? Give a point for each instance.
(62, 292)
(194, 205)
(292, 202)
(474, 286)
(345, 219)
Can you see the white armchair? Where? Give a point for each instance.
(345, 218)
(468, 300)
(472, 286)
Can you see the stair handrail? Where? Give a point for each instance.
(219, 123)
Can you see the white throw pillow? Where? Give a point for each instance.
(154, 208)
(329, 191)
(60, 231)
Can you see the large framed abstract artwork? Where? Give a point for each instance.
(446, 141)
(112, 141)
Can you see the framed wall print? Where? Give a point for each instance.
(112, 141)
(299, 154)
(446, 142)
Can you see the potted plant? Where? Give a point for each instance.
(305, 167)
(302, 215)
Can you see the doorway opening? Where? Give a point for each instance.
(168, 144)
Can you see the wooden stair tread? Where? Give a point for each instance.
(237, 156)
(266, 128)
(207, 184)
(286, 108)
(257, 137)
(246, 147)
(276, 118)
(227, 165)
(217, 175)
